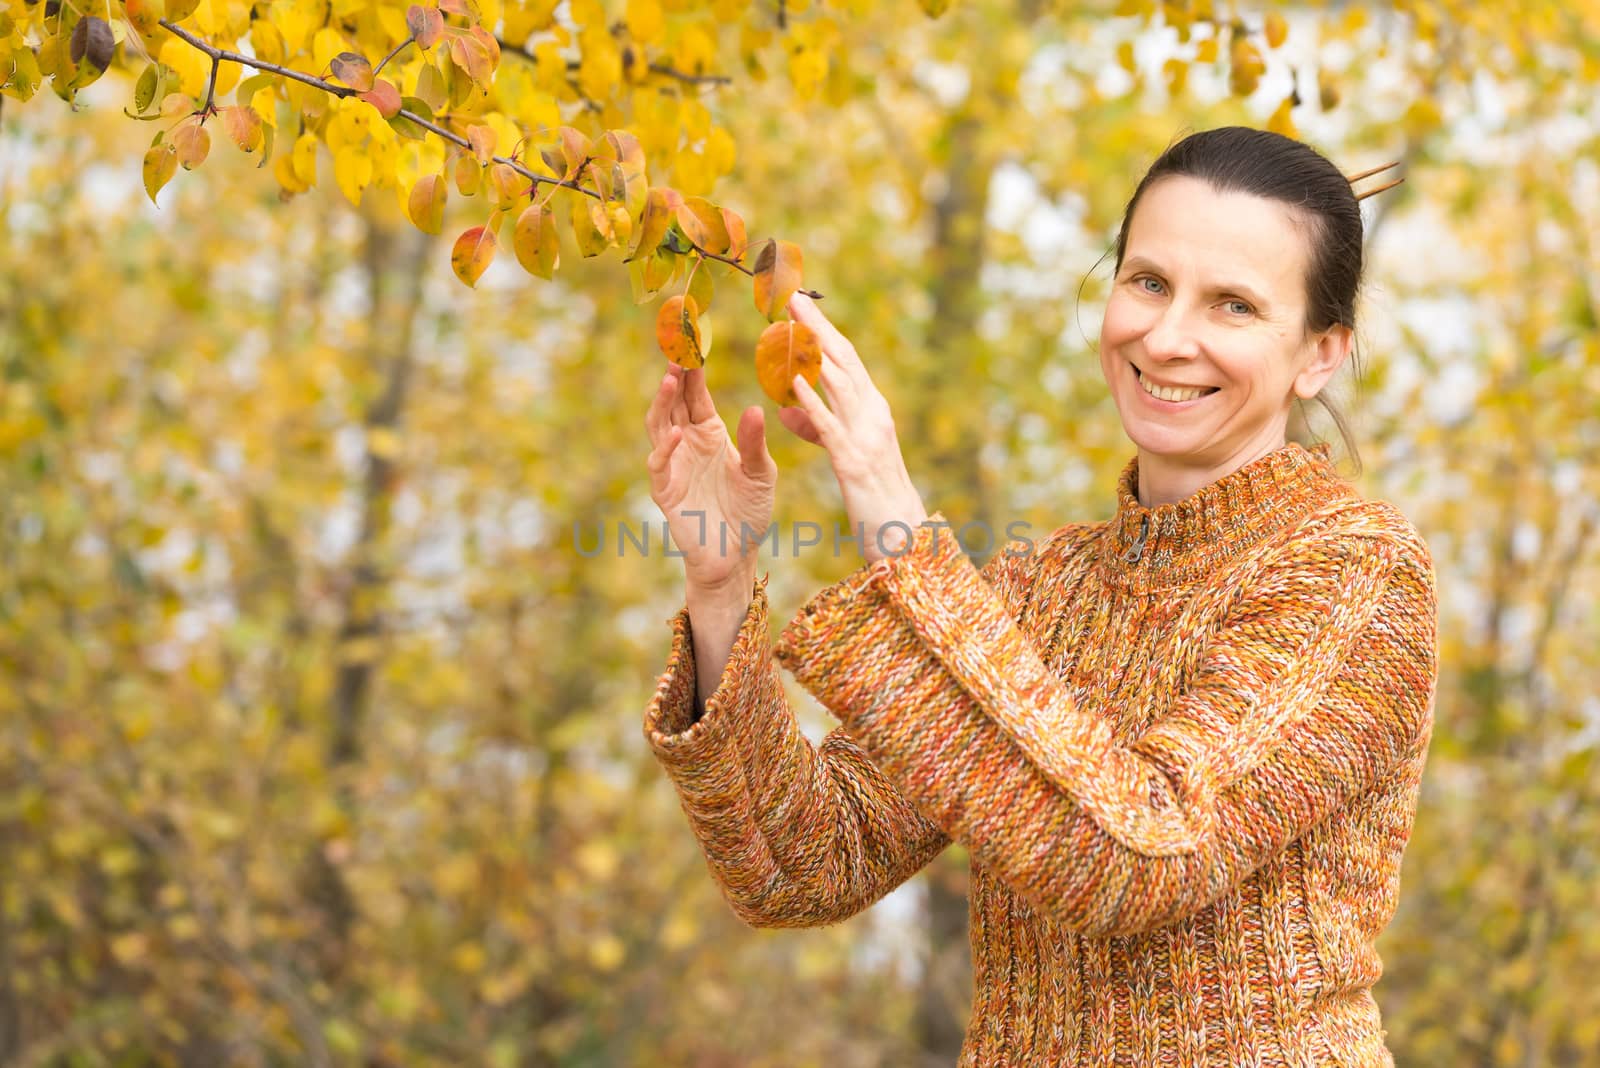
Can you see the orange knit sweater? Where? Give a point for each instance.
(1182, 748)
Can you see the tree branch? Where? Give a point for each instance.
(218, 54)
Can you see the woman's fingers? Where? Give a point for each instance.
(834, 344)
(696, 396)
(658, 417)
(799, 424)
(823, 423)
(754, 459)
(659, 461)
(677, 409)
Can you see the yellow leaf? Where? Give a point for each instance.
(303, 159)
(427, 202)
(1281, 121)
(1277, 29)
(535, 243)
(160, 164)
(352, 170)
(283, 170)
(644, 21)
(189, 64)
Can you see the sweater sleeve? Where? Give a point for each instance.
(794, 835)
(1319, 680)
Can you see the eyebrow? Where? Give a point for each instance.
(1145, 264)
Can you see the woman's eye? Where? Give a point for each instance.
(1239, 307)
(1148, 284)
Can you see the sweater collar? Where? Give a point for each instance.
(1184, 541)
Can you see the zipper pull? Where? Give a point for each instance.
(1136, 550)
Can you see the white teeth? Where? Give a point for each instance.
(1167, 394)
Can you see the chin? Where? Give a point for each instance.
(1163, 440)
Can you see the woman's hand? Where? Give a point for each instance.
(695, 467)
(857, 430)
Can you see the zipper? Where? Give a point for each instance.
(1136, 550)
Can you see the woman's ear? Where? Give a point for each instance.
(1330, 350)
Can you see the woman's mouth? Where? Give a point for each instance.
(1169, 394)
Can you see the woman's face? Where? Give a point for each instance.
(1210, 301)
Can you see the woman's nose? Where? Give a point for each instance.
(1171, 336)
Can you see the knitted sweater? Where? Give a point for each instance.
(1182, 748)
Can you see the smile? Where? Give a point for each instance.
(1170, 394)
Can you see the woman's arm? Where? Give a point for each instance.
(795, 835)
(1319, 681)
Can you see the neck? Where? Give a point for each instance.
(1169, 479)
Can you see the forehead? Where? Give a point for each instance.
(1183, 224)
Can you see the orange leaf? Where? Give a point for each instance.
(192, 143)
(507, 184)
(146, 15)
(486, 40)
(701, 222)
(426, 203)
(1277, 29)
(482, 139)
(426, 25)
(470, 56)
(737, 241)
(243, 126)
(385, 97)
(784, 350)
(660, 205)
(777, 276)
(535, 243)
(353, 70)
(574, 149)
(678, 332)
(472, 254)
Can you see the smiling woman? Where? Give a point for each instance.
(1182, 747)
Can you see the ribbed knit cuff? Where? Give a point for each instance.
(677, 739)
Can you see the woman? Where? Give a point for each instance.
(1183, 747)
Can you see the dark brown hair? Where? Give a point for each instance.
(1238, 159)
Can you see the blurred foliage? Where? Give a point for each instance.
(318, 733)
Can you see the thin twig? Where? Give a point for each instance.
(708, 254)
(396, 51)
(211, 90)
(655, 68)
(693, 79)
